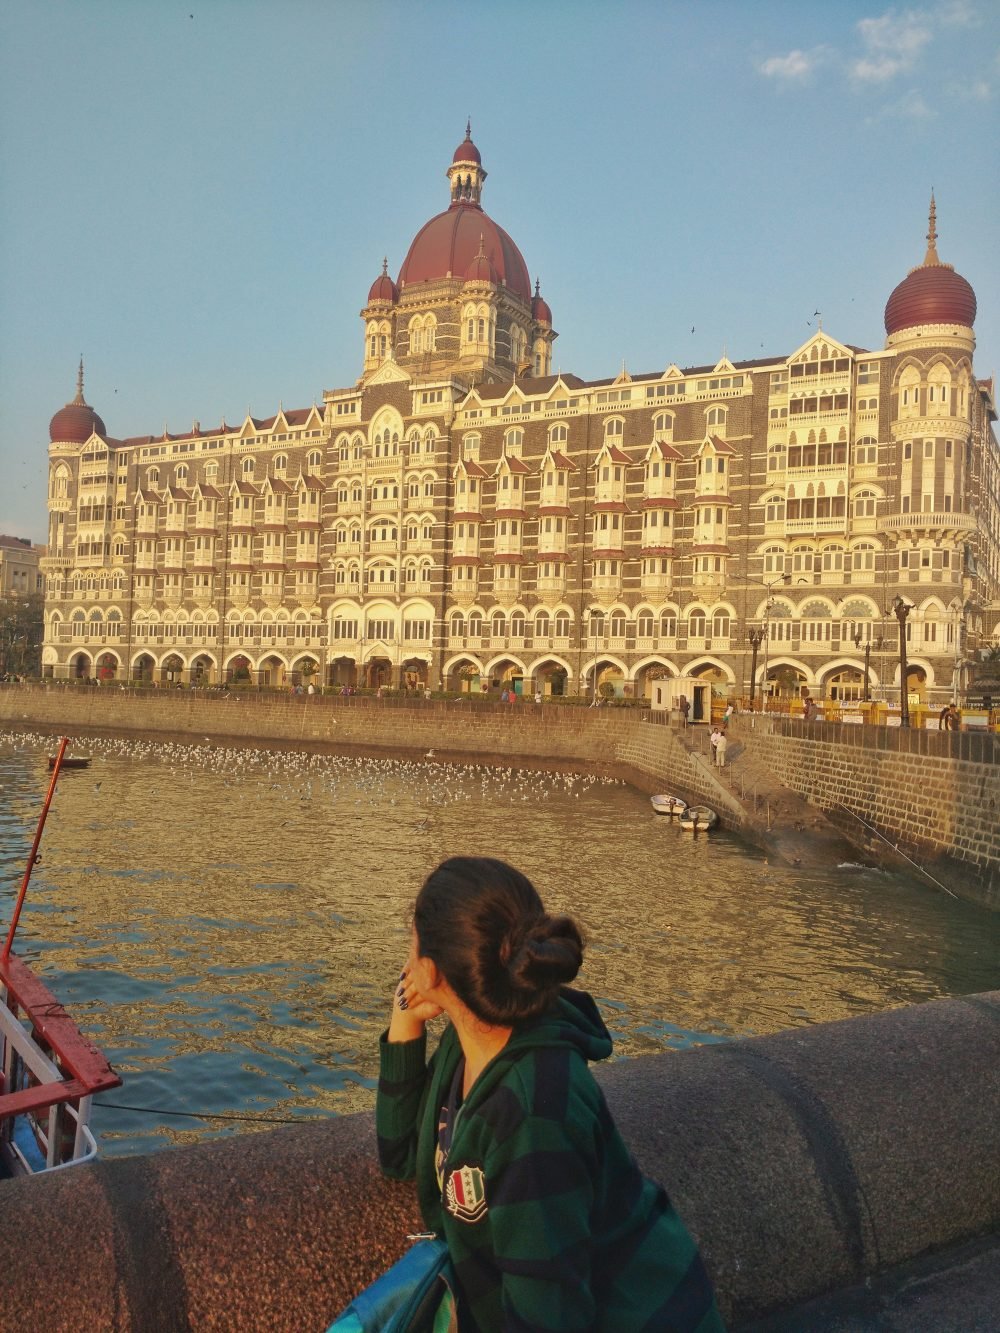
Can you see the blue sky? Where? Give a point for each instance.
(197, 196)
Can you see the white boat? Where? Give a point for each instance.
(668, 805)
(698, 819)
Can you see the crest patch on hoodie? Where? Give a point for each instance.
(465, 1194)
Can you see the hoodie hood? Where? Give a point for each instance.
(574, 1020)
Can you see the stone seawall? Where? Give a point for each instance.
(935, 795)
(823, 1160)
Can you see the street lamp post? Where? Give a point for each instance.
(901, 610)
(782, 578)
(869, 644)
(756, 637)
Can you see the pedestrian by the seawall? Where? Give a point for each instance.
(548, 1220)
(720, 750)
(685, 706)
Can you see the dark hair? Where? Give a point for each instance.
(483, 923)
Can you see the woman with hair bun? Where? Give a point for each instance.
(548, 1220)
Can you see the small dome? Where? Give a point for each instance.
(383, 288)
(481, 269)
(540, 311)
(931, 294)
(467, 150)
(76, 422)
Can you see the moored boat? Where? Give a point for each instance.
(668, 805)
(71, 761)
(50, 1072)
(698, 819)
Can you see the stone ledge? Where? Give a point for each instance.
(807, 1162)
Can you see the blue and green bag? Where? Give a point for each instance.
(414, 1296)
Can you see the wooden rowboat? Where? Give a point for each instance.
(668, 805)
(698, 819)
(71, 761)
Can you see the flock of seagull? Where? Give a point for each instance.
(301, 776)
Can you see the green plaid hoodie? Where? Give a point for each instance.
(550, 1223)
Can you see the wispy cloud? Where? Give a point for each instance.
(911, 106)
(892, 43)
(795, 67)
(888, 51)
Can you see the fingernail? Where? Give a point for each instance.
(404, 1002)
(402, 976)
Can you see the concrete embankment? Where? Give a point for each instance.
(811, 794)
(844, 1176)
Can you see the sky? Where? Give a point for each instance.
(196, 197)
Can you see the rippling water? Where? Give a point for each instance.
(228, 925)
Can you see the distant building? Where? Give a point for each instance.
(460, 516)
(20, 571)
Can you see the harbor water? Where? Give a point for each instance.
(228, 924)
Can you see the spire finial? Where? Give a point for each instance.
(385, 266)
(931, 257)
(468, 128)
(537, 285)
(482, 247)
(79, 399)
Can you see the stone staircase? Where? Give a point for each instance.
(773, 815)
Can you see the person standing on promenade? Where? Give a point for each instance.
(713, 740)
(548, 1220)
(684, 704)
(720, 750)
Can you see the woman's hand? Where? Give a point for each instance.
(410, 1011)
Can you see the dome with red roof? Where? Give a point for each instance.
(540, 311)
(76, 422)
(383, 288)
(467, 150)
(449, 245)
(931, 294)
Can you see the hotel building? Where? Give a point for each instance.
(460, 516)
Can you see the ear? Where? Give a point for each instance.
(427, 975)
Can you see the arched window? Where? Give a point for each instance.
(314, 461)
(720, 625)
(561, 625)
(559, 433)
(542, 625)
(498, 625)
(247, 468)
(697, 623)
(663, 426)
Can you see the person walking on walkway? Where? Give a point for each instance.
(685, 706)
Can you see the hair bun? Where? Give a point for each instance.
(549, 956)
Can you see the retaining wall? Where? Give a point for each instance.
(804, 1162)
(934, 794)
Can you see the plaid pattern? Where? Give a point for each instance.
(573, 1237)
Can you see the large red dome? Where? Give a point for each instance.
(931, 294)
(448, 244)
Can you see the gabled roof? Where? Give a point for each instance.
(720, 446)
(243, 487)
(664, 450)
(561, 460)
